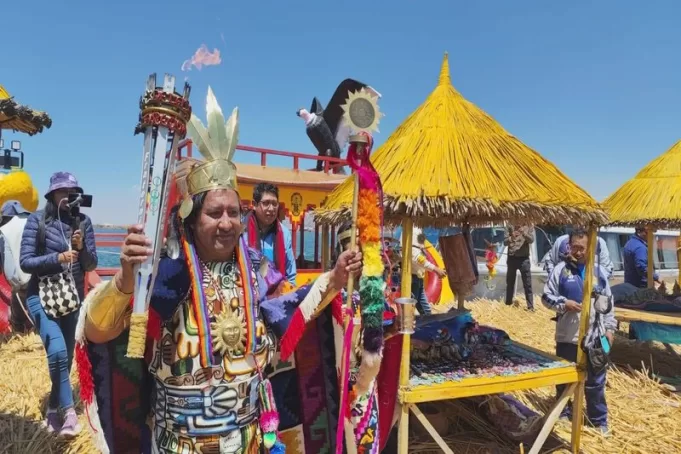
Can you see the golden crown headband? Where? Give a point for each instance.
(217, 144)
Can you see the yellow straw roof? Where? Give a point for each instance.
(450, 162)
(20, 118)
(653, 196)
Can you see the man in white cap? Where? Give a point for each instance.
(12, 225)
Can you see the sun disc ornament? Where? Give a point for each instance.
(361, 112)
(229, 332)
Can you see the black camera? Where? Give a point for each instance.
(12, 159)
(75, 202)
(79, 200)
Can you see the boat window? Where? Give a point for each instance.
(612, 240)
(309, 241)
(665, 252)
(484, 235)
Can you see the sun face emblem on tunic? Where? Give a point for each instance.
(228, 332)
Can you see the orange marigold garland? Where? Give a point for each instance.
(372, 297)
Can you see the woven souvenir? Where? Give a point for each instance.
(58, 294)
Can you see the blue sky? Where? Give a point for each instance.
(595, 87)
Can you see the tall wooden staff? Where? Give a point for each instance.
(361, 114)
(163, 119)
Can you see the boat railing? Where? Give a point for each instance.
(329, 162)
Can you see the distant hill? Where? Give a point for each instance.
(109, 226)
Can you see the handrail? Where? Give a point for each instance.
(328, 161)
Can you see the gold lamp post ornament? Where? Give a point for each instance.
(361, 115)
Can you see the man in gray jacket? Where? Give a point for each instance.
(563, 293)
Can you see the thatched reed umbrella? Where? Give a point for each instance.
(451, 163)
(652, 198)
(20, 118)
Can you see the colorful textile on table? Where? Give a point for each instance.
(173, 387)
(648, 300)
(452, 347)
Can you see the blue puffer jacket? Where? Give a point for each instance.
(57, 240)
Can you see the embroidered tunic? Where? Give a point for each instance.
(183, 399)
(209, 409)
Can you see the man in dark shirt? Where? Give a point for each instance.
(518, 240)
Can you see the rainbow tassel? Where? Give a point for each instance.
(269, 417)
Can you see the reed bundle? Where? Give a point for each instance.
(450, 162)
(24, 390)
(643, 414)
(652, 196)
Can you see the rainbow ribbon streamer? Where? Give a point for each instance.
(372, 297)
(200, 308)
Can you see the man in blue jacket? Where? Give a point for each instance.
(636, 260)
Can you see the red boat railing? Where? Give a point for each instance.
(329, 162)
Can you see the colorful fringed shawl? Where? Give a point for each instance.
(116, 389)
(279, 247)
(5, 304)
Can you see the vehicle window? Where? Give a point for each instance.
(665, 256)
(481, 236)
(545, 236)
(612, 240)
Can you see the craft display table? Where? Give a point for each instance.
(517, 367)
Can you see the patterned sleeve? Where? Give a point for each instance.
(295, 308)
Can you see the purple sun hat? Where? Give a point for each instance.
(62, 180)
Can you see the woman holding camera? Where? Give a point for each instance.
(57, 249)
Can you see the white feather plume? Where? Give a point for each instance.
(219, 140)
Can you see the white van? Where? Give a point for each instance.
(665, 257)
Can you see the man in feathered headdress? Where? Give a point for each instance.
(212, 326)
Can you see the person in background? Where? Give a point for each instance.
(267, 234)
(419, 266)
(635, 256)
(50, 250)
(561, 249)
(14, 217)
(563, 293)
(518, 240)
